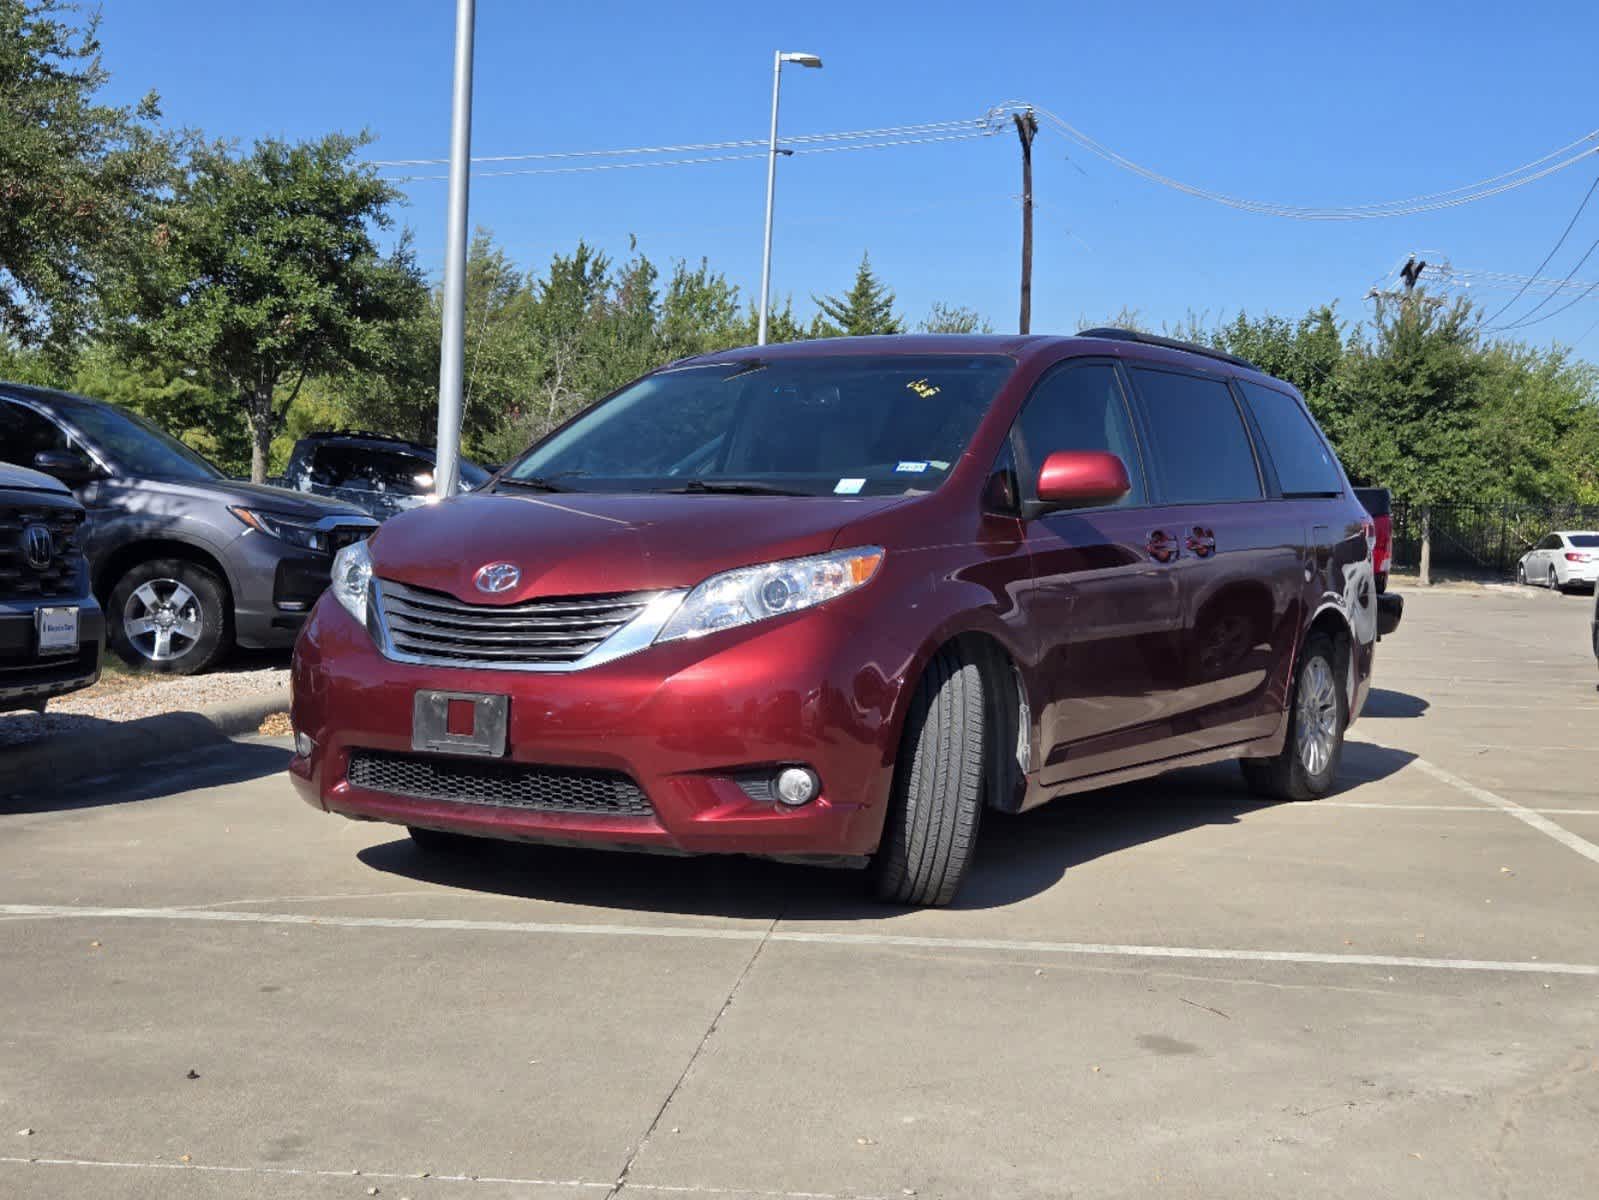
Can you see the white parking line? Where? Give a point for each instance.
(1530, 816)
(848, 940)
(678, 1189)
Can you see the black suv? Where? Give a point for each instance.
(382, 474)
(186, 561)
(51, 630)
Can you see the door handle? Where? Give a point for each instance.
(1202, 542)
(1162, 546)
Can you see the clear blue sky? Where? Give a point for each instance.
(1335, 104)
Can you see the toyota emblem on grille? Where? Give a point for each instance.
(38, 547)
(498, 577)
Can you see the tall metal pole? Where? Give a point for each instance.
(771, 187)
(452, 346)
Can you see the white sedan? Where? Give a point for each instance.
(1562, 560)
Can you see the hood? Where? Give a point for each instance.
(573, 544)
(255, 495)
(29, 480)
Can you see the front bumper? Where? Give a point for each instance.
(27, 680)
(684, 721)
(275, 586)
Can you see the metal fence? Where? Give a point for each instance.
(1485, 538)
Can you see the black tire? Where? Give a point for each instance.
(437, 841)
(202, 605)
(1554, 581)
(1521, 574)
(1288, 776)
(937, 796)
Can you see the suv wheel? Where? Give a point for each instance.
(169, 616)
(937, 794)
(1318, 716)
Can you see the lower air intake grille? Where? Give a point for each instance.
(498, 784)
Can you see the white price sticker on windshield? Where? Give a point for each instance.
(848, 487)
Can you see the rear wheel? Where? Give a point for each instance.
(1307, 767)
(169, 616)
(1554, 580)
(937, 794)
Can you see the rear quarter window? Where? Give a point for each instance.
(1305, 465)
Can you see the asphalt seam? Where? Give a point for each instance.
(827, 938)
(627, 1167)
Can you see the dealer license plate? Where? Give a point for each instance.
(58, 630)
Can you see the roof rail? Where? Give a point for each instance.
(366, 434)
(1151, 339)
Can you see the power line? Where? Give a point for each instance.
(1539, 269)
(1482, 189)
(1528, 318)
(983, 123)
(701, 160)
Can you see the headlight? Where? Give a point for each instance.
(352, 579)
(296, 532)
(755, 593)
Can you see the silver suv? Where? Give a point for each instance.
(186, 562)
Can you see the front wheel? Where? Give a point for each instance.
(1521, 574)
(1318, 715)
(169, 616)
(937, 795)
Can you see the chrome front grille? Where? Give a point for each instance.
(431, 627)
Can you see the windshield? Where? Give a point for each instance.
(870, 426)
(472, 475)
(1584, 541)
(136, 446)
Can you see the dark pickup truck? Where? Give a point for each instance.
(51, 629)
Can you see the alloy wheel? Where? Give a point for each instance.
(1316, 729)
(162, 619)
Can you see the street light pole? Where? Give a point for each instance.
(778, 59)
(452, 345)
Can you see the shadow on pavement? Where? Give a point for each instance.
(215, 765)
(1018, 856)
(1384, 702)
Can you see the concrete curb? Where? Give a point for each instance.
(119, 746)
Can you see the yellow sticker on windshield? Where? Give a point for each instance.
(922, 388)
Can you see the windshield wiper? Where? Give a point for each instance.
(540, 483)
(730, 487)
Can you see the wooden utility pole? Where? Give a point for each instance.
(1026, 130)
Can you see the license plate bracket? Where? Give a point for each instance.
(438, 724)
(56, 629)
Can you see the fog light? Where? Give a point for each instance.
(303, 745)
(797, 785)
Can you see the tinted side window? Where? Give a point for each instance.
(1199, 449)
(23, 433)
(1305, 466)
(1081, 408)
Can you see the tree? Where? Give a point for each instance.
(954, 318)
(263, 274)
(868, 307)
(77, 178)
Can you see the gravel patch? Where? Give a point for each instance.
(118, 699)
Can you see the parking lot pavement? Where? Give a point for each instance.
(1167, 988)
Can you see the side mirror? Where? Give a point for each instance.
(1082, 478)
(70, 467)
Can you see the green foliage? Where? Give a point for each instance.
(78, 178)
(954, 318)
(867, 308)
(264, 274)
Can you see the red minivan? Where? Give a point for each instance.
(828, 601)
